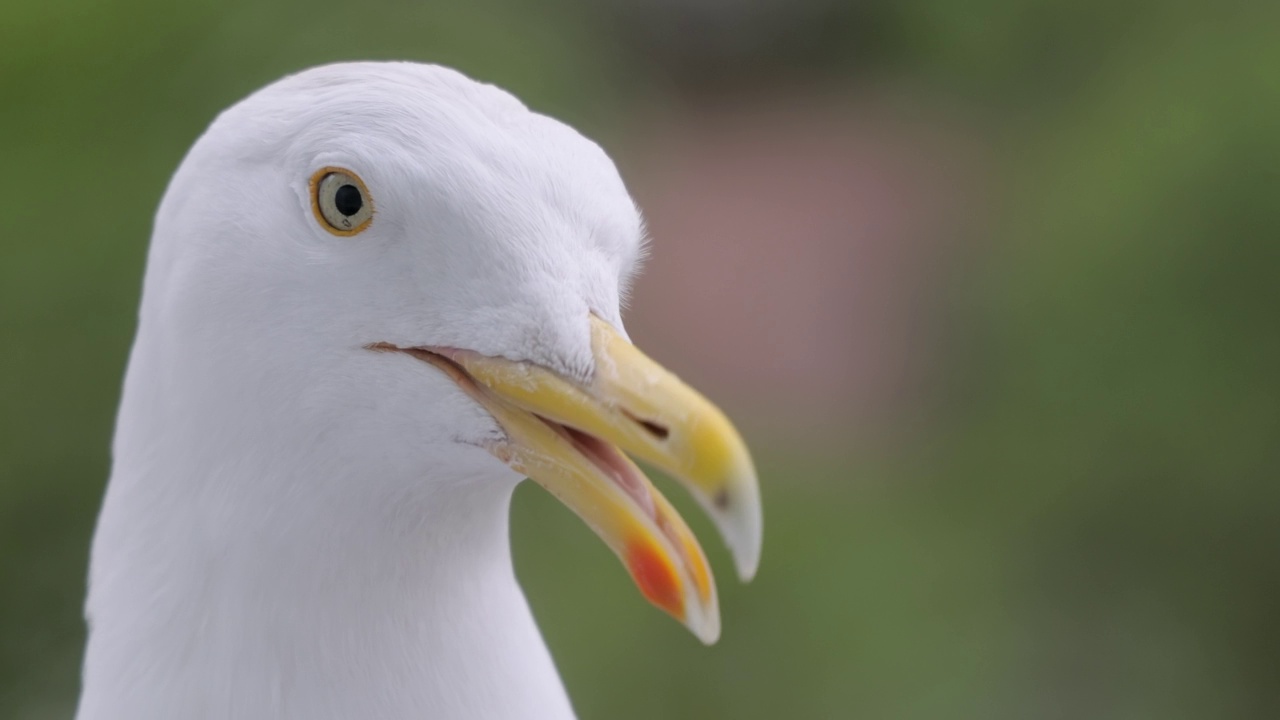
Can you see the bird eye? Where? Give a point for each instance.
(341, 201)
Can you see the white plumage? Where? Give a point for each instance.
(297, 527)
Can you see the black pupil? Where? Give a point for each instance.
(348, 200)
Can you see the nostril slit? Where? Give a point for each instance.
(657, 430)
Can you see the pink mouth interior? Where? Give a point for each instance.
(625, 474)
(609, 459)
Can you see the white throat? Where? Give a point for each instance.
(244, 568)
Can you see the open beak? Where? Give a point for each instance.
(573, 438)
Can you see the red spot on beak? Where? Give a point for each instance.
(655, 577)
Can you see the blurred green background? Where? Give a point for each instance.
(1070, 509)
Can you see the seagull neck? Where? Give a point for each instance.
(238, 590)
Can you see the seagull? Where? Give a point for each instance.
(377, 297)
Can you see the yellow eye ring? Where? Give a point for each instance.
(340, 201)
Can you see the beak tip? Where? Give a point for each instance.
(747, 561)
(706, 627)
(741, 524)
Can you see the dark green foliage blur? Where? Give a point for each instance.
(1087, 522)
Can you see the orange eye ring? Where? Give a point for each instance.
(340, 201)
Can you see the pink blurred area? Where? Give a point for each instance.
(794, 246)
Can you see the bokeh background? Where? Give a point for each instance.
(992, 286)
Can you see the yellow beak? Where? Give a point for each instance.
(570, 437)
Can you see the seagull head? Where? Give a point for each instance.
(395, 259)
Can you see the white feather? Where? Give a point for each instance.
(297, 527)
